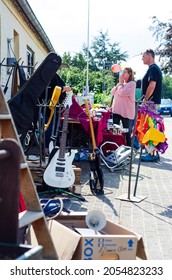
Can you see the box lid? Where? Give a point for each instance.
(65, 240)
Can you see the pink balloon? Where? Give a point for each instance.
(116, 68)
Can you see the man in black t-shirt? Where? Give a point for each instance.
(151, 89)
(152, 80)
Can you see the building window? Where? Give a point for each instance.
(16, 45)
(30, 62)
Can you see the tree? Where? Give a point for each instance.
(163, 33)
(102, 55)
(167, 87)
(67, 58)
(78, 60)
(74, 77)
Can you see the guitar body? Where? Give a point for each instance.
(59, 173)
(96, 175)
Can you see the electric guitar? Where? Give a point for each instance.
(96, 174)
(59, 172)
(52, 104)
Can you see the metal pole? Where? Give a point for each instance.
(88, 31)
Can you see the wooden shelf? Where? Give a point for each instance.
(23, 165)
(5, 117)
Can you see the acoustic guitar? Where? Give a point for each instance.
(59, 172)
(96, 175)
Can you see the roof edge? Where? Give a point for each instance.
(29, 14)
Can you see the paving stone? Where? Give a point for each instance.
(152, 216)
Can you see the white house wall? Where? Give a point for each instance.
(10, 21)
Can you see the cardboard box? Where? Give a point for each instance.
(115, 242)
(65, 240)
(112, 243)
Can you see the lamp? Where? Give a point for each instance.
(10, 60)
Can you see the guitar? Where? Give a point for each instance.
(96, 174)
(52, 104)
(59, 172)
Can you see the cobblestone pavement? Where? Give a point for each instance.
(151, 217)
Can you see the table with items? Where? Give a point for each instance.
(78, 117)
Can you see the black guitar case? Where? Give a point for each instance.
(23, 104)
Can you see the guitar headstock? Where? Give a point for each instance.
(91, 123)
(68, 100)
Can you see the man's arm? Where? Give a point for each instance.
(150, 90)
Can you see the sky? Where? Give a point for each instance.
(127, 23)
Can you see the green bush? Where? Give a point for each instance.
(102, 98)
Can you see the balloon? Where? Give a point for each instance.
(115, 68)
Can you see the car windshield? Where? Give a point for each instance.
(166, 101)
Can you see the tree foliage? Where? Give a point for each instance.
(162, 31)
(167, 87)
(102, 55)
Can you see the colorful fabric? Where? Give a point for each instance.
(153, 135)
(150, 129)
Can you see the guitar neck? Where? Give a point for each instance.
(64, 134)
(91, 124)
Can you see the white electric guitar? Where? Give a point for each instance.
(59, 172)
